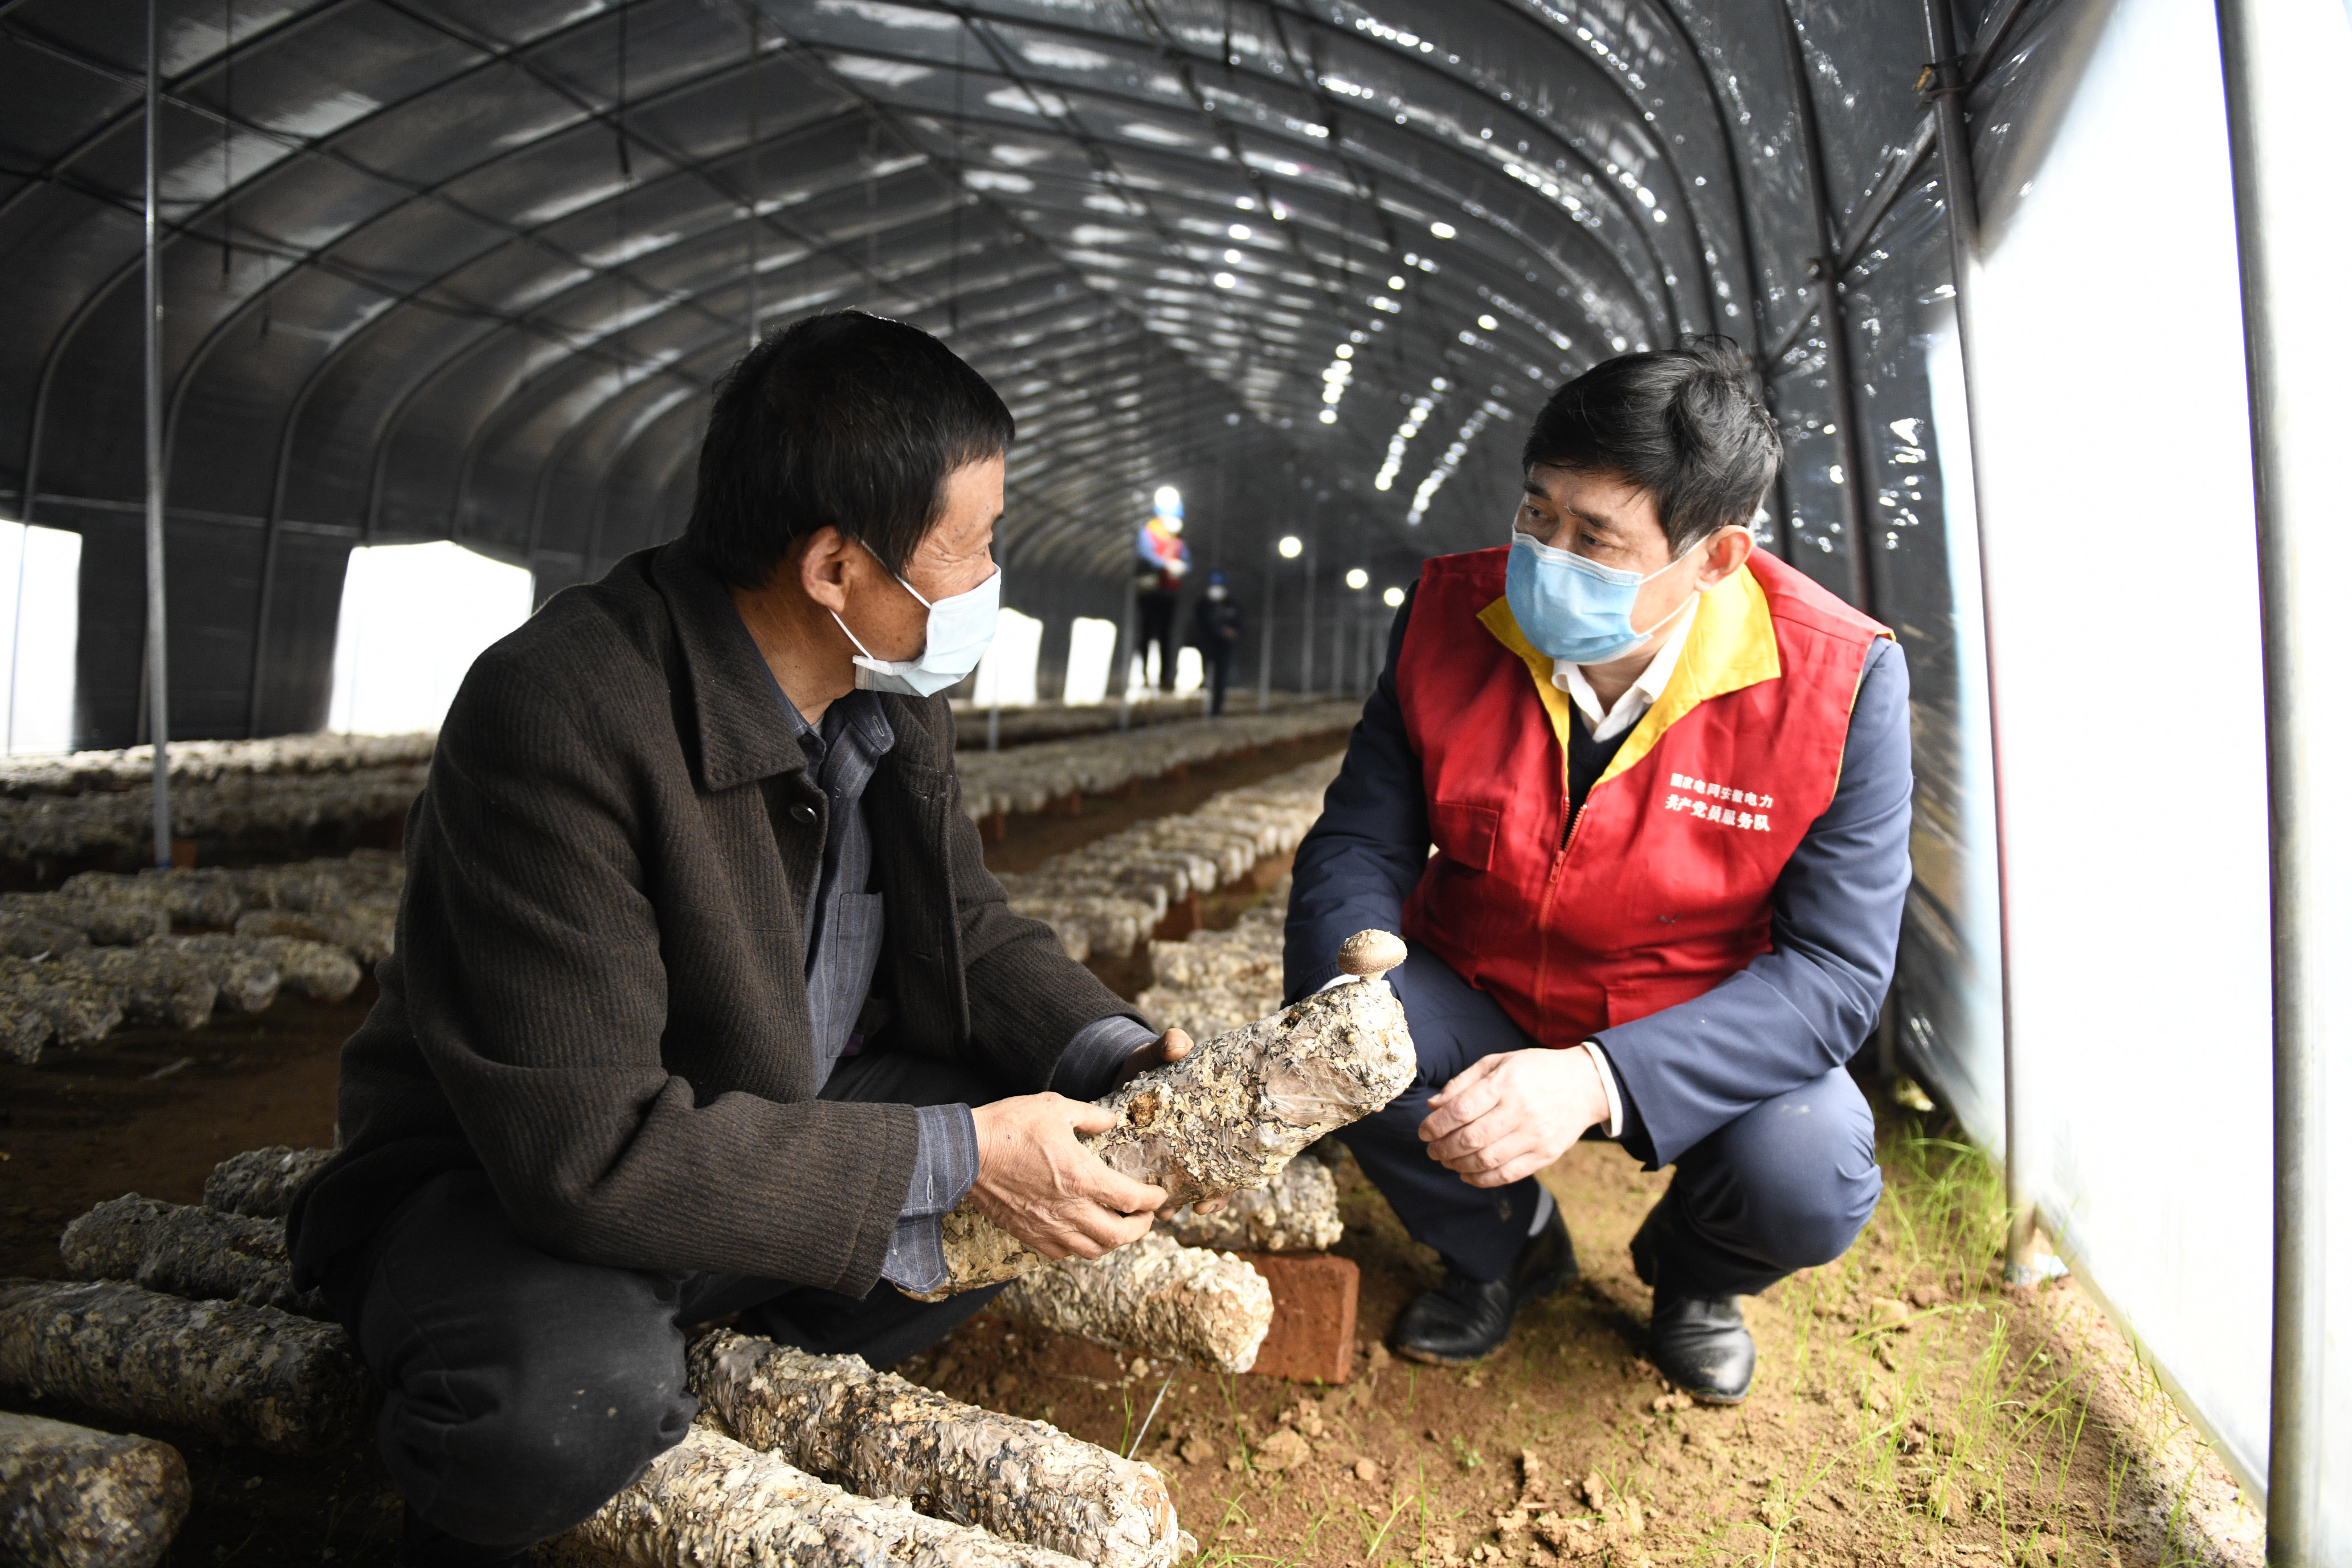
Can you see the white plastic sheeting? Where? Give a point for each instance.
(1007, 677)
(1085, 678)
(2301, 59)
(414, 618)
(2126, 651)
(40, 577)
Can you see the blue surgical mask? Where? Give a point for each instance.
(959, 629)
(1573, 609)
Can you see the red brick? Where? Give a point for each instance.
(1314, 1333)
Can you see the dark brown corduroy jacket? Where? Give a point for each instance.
(598, 995)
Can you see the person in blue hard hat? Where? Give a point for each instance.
(1162, 560)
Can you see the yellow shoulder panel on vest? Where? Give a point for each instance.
(1497, 618)
(1730, 647)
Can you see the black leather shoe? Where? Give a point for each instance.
(1702, 1346)
(1700, 1343)
(1466, 1320)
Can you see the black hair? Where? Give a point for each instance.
(1679, 422)
(845, 420)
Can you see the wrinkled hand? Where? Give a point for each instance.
(1511, 1115)
(1173, 1047)
(1048, 1190)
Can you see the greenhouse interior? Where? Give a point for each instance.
(396, 1018)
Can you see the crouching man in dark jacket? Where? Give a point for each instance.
(1639, 797)
(703, 1001)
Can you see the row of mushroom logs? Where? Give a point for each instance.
(187, 1319)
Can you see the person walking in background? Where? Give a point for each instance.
(1216, 632)
(1162, 560)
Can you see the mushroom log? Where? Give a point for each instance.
(1234, 1111)
(711, 1500)
(882, 1436)
(248, 1375)
(184, 1250)
(1167, 1301)
(72, 1498)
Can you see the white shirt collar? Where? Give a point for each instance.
(1646, 689)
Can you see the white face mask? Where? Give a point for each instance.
(957, 633)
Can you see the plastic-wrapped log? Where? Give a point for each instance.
(713, 1500)
(81, 1008)
(1230, 1115)
(881, 1435)
(365, 930)
(1204, 1014)
(197, 897)
(106, 919)
(183, 1250)
(1152, 896)
(253, 1376)
(157, 986)
(1155, 1298)
(1113, 926)
(315, 969)
(245, 979)
(262, 1181)
(25, 1029)
(1299, 1211)
(1218, 958)
(29, 936)
(72, 1498)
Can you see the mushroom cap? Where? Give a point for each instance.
(1370, 952)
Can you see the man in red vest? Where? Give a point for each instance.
(1638, 797)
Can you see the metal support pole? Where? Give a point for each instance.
(1832, 312)
(1307, 626)
(1126, 648)
(1343, 653)
(1959, 176)
(2295, 510)
(1265, 630)
(159, 707)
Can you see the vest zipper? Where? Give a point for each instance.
(1551, 884)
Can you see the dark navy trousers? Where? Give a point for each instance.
(1788, 1184)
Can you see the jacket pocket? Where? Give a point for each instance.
(1464, 833)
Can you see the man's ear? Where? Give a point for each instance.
(822, 564)
(1726, 552)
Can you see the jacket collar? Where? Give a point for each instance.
(741, 730)
(1730, 647)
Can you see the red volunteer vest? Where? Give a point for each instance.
(1664, 888)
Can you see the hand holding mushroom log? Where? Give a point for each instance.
(1227, 1116)
(1037, 1182)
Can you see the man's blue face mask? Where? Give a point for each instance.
(1574, 609)
(956, 634)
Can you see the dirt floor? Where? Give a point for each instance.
(1906, 1413)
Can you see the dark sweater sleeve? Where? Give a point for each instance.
(1027, 1000)
(1804, 1008)
(537, 992)
(1365, 853)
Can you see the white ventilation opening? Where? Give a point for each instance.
(40, 596)
(414, 618)
(1008, 670)
(1086, 680)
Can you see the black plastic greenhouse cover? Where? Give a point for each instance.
(453, 269)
